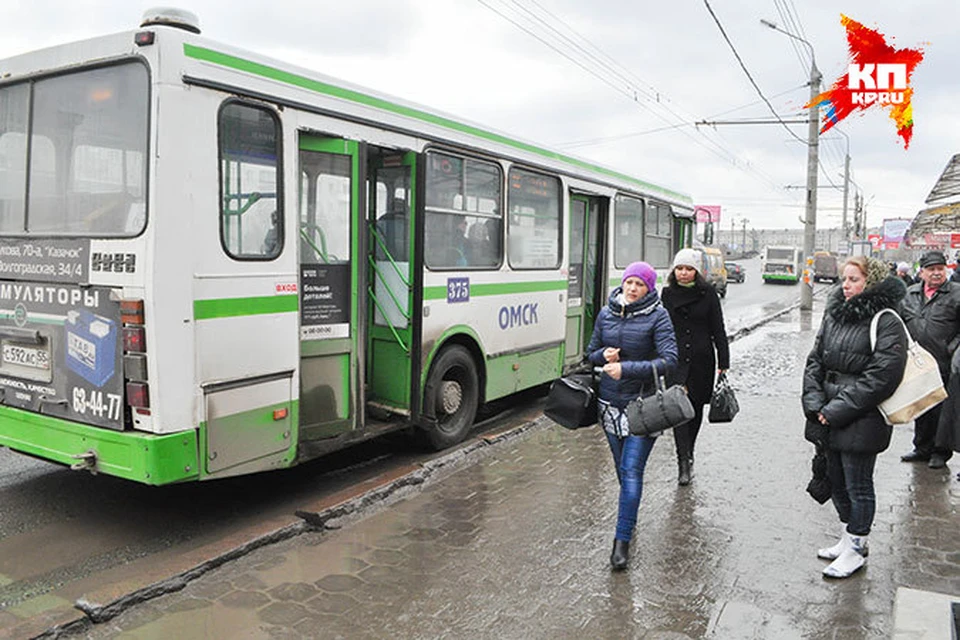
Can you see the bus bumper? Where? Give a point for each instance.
(143, 457)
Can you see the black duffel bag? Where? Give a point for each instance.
(572, 401)
(666, 408)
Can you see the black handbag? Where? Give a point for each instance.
(723, 403)
(572, 401)
(819, 485)
(665, 409)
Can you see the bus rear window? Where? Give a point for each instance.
(80, 169)
(780, 254)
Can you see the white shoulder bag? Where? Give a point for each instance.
(921, 387)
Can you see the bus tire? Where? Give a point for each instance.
(452, 397)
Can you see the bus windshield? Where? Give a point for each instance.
(73, 153)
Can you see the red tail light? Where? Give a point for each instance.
(135, 358)
(135, 339)
(138, 395)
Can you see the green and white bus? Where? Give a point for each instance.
(781, 264)
(213, 263)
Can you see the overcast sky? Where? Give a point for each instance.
(652, 70)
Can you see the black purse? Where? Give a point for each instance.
(819, 485)
(723, 403)
(666, 408)
(572, 401)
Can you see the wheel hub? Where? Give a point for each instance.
(450, 396)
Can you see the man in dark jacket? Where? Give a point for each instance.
(931, 310)
(948, 430)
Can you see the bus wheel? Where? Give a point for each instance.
(453, 393)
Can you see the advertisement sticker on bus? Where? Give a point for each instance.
(59, 351)
(50, 261)
(324, 301)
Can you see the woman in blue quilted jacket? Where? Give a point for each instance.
(631, 335)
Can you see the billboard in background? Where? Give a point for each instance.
(707, 212)
(894, 231)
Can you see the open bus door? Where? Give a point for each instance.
(585, 291)
(389, 376)
(328, 244)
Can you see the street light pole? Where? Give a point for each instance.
(844, 227)
(813, 144)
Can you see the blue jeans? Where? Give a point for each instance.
(630, 458)
(851, 482)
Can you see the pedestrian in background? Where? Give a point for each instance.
(844, 381)
(948, 427)
(631, 334)
(702, 346)
(931, 310)
(903, 272)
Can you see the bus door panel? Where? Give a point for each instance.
(391, 233)
(585, 293)
(329, 203)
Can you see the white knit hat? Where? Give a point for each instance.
(688, 258)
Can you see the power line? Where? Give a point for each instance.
(655, 98)
(747, 72)
(630, 90)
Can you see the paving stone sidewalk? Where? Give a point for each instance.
(516, 545)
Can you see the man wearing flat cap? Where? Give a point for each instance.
(931, 310)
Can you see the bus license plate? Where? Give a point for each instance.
(26, 356)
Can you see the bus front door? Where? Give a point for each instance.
(328, 244)
(584, 296)
(391, 232)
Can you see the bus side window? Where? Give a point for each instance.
(251, 226)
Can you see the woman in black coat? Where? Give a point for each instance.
(845, 379)
(702, 346)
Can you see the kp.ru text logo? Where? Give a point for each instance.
(877, 76)
(888, 76)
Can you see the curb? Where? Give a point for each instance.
(323, 519)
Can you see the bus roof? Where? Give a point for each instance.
(210, 63)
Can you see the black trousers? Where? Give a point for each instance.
(685, 436)
(925, 433)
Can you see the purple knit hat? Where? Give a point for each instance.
(643, 271)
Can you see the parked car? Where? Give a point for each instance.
(735, 272)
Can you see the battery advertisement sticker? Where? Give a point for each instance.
(59, 351)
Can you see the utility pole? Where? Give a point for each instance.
(845, 235)
(813, 149)
(743, 245)
(813, 144)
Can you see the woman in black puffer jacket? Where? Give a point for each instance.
(844, 381)
(631, 335)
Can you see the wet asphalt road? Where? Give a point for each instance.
(60, 528)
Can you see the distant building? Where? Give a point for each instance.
(757, 239)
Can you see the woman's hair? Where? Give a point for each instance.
(672, 278)
(873, 270)
(860, 262)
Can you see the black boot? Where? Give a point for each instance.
(686, 472)
(620, 555)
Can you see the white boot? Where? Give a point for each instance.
(832, 553)
(850, 559)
